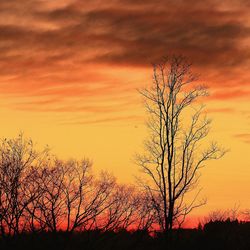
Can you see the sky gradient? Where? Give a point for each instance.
(70, 70)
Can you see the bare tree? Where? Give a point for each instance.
(33, 215)
(173, 152)
(77, 179)
(58, 185)
(17, 158)
(51, 206)
(68, 196)
(94, 202)
(121, 208)
(38, 192)
(72, 197)
(85, 197)
(145, 213)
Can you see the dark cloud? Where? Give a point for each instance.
(137, 36)
(209, 37)
(206, 34)
(45, 44)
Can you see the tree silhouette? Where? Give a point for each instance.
(173, 152)
(17, 191)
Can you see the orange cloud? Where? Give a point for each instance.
(220, 110)
(104, 120)
(230, 94)
(57, 51)
(244, 137)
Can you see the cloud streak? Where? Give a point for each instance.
(243, 137)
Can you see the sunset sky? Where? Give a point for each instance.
(70, 70)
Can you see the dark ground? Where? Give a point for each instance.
(218, 235)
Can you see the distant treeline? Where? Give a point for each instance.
(215, 235)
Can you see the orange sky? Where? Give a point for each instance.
(69, 71)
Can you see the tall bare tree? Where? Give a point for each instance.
(174, 151)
